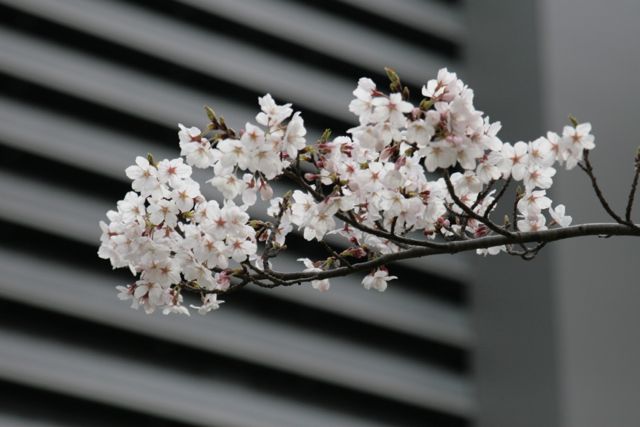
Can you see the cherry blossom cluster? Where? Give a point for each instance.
(406, 172)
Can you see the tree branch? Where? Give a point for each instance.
(539, 237)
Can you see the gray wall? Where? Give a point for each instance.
(558, 339)
(591, 59)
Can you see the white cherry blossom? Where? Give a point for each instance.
(322, 285)
(377, 280)
(558, 215)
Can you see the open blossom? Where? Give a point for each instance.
(514, 160)
(173, 172)
(445, 88)
(196, 148)
(362, 106)
(272, 114)
(558, 215)
(163, 211)
(531, 220)
(392, 109)
(377, 280)
(294, 140)
(536, 176)
(145, 177)
(534, 200)
(493, 250)
(209, 302)
(574, 141)
(322, 285)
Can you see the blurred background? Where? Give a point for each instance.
(86, 85)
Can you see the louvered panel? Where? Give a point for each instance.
(103, 83)
(72, 141)
(94, 148)
(348, 357)
(430, 16)
(348, 41)
(23, 421)
(212, 54)
(124, 383)
(240, 334)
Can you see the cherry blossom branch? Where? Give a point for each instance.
(371, 188)
(540, 237)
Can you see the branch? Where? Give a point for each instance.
(539, 237)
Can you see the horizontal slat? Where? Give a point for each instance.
(432, 16)
(209, 53)
(332, 35)
(196, 400)
(239, 334)
(8, 420)
(105, 84)
(90, 147)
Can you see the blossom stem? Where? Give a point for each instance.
(588, 169)
(632, 192)
(495, 201)
(469, 211)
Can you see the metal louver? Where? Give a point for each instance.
(87, 85)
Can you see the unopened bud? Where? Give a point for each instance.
(151, 161)
(357, 253)
(573, 120)
(405, 93)
(211, 114)
(392, 75)
(326, 134)
(426, 104)
(222, 123)
(256, 224)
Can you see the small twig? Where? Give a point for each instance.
(490, 224)
(588, 169)
(514, 222)
(332, 252)
(495, 201)
(268, 274)
(632, 192)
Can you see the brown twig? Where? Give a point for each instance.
(539, 237)
(335, 254)
(632, 192)
(490, 224)
(495, 201)
(588, 169)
